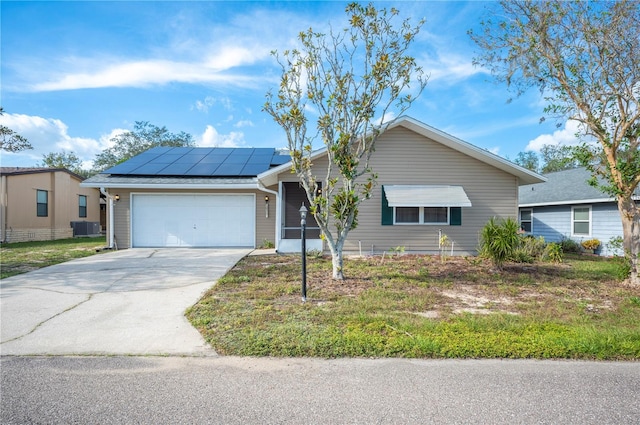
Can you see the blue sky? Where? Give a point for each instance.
(75, 74)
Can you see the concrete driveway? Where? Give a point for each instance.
(124, 302)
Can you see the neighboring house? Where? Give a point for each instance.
(567, 207)
(42, 203)
(429, 183)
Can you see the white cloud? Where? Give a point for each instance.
(210, 101)
(211, 138)
(144, 74)
(243, 123)
(564, 136)
(46, 135)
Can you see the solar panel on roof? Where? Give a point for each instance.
(175, 169)
(253, 169)
(187, 161)
(191, 158)
(228, 169)
(202, 169)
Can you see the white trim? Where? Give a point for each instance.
(575, 201)
(209, 186)
(581, 235)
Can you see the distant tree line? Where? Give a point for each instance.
(551, 158)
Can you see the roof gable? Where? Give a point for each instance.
(524, 175)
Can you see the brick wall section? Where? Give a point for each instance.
(28, 235)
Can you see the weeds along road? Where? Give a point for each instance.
(231, 390)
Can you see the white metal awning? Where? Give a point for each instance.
(426, 196)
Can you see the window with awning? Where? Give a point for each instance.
(423, 204)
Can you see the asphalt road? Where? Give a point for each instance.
(223, 390)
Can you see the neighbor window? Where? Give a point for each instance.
(42, 203)
(82, 206)
(581, 221)
(421, 215)
(526, 220)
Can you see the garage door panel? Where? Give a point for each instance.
(193, 220)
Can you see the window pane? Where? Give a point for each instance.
(581, 214)
(407, 214)
(435, 215)
(526, 226)
(82, 201)
(42, 197)
(42, 209)
(581, 228)
(525, 215)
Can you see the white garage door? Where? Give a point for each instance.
(192, 220)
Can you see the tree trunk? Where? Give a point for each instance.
(630, 214)
(336, 260)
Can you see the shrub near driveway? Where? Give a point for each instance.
(418, 306)
(22, 257)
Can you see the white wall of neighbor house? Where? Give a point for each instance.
(403, 157)
(264, 225)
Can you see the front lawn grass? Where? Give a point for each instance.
(22, 257)
(422, 307)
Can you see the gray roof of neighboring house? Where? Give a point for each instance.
(16, 171)
(563, 187)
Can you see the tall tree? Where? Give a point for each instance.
(558, 158)
(585, 59)
(11, 141)
(144, 136)
(343, 79)
(528, 160)
(68, 160)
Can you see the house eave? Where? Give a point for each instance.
(174, 186)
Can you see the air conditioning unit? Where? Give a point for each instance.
(85, 228)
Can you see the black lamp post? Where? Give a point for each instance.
(303, 228)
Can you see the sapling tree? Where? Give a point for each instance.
(585, 59)
(342, 88)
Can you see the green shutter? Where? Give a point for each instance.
(387, 211)
(455, 216)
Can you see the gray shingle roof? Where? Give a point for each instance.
(563, 187)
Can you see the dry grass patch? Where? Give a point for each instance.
(420, 306)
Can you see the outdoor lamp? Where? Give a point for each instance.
(266, 198)
(303, 245)
(116, 197)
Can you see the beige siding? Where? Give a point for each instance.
(404, 157)
(19, 210)
(265, 226)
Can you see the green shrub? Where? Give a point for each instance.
(552, 252)
(569, 246)
(499, 240)
(529, 250)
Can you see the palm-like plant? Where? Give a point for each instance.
(499, 239)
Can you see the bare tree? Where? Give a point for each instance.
(585, 59)
(346, 78)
